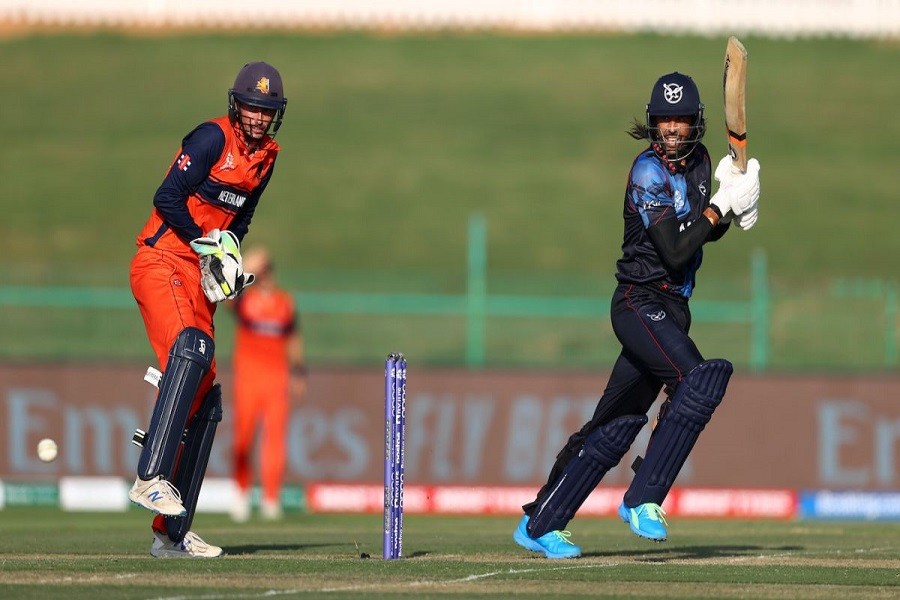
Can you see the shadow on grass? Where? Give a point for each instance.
(254, 548)
(660, 554)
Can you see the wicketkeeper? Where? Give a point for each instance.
(189, 259)
(670, 213)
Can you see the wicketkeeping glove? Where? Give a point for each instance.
(221, 270)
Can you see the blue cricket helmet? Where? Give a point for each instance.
(258, 84)
(676, 94)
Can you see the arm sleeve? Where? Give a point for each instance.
(677, 248)
(652, 194)
(718, 231)
(200, 150)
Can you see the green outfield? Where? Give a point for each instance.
(46, 554)
(392, 142)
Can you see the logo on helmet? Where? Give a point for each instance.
(673, 92)
(263, 85)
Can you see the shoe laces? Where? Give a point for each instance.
(564, 536)
(655, 512)
(191, 539)
(171, 489)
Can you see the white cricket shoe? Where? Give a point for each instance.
(192, 546)
(157, 495)
(271, 510)
(240, 508)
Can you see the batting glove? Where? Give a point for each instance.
(748, 219)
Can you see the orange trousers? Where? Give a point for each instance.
(170, 298)
(260, 398)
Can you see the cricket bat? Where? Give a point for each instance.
(734, 82)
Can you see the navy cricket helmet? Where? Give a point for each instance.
(676, 94)
(258, 84)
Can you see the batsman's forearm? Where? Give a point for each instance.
(718, 231)
(678, 248)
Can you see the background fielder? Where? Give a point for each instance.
(269, 369)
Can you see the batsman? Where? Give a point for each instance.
(188, 259)
(670, 214)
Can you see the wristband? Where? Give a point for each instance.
(713, 214)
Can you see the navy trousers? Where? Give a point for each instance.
(652, 327)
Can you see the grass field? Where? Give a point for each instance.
(392, 142)
(46, 554)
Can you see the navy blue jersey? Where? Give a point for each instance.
(654, 193)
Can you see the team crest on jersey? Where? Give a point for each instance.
(184, 161)
(263, 85)
(228, 164)
(657, 316)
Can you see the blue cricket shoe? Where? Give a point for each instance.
(647, 520)
(555, 544)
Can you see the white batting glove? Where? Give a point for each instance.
(738, 192)
(722, 199)
(748, 218)
(222, 274)
(726, 170)
(746, 188)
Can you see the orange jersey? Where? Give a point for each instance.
(215, 182)
(266, 320)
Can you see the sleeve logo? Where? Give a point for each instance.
(184, 161)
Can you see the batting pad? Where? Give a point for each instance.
(189, 361)
(693, 404)
(602, 450)
(194, 459)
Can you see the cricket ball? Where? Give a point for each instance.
(47, 450)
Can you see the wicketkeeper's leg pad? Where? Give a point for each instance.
(190, 359)
(194, 459)
(602, 450)
(692, 406)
